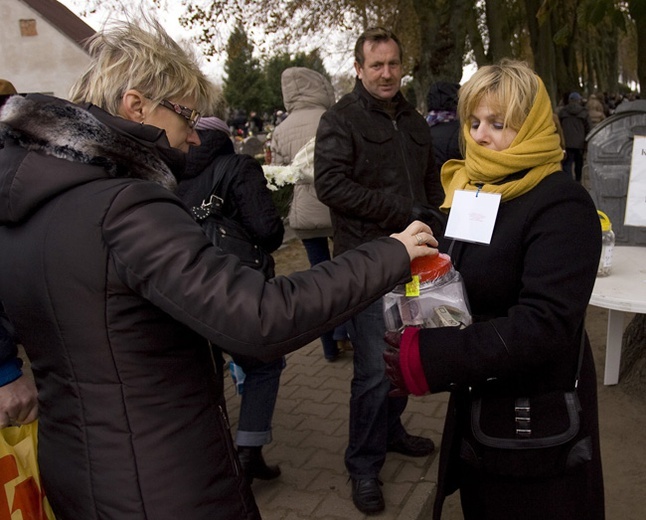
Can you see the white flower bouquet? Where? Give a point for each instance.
(280, 176)
(301, 168)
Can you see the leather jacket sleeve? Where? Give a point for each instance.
(180, 272)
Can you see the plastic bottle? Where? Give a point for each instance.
(607, 245)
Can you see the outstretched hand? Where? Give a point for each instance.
(393, 365)
(417, 238)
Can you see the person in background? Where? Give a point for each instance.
(239, 123)
(6, 90)
(18, 394)
(115, 291)
(596, 110)
(306, 95)
(279, 117)
(576, 125)
(528, 301)
(374, 169)
(248, 201)
(559, 131)
(256, 123)
(443, 119)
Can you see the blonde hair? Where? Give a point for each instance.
(127, 56)
(509, 88)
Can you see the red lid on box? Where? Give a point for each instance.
(431, 268)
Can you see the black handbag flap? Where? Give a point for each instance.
(547, 420)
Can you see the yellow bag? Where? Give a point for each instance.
(23, 498)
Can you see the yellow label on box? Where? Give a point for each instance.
(412, 287)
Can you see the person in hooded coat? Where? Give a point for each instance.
(115, 291)
(307, 94)
(575, 123)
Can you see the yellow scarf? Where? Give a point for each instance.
(536, 148)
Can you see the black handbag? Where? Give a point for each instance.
(537, 436)
(225, 231)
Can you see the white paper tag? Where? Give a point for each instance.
(636, 197)
(473, 216)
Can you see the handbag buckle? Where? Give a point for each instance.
(522, 409)
(208, 207)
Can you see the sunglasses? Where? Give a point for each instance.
(192, 116)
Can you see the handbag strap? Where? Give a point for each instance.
(581, 350)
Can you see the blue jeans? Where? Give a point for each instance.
(375, 418)
(258, 403)
(318, 251)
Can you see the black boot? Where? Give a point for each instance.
(254, 465)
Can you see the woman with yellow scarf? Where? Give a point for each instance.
(528, 269)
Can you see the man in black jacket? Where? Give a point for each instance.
(374, 168)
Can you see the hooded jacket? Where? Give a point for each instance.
(114, 291)
(306, 95)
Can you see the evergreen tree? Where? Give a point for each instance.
(244, 85)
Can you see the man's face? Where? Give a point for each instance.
(381, 73)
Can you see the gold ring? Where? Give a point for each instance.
(420, 240)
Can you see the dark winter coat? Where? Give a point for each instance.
(112, 287)
(371, 169)
(445, 134)
(575, 123)
(247, 201)
(528, 292)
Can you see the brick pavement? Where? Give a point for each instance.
(310, 431)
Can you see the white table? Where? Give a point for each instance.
(624, 290)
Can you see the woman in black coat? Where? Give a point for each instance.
(247, 201)
(528, 287)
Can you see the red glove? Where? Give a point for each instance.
(393, 365)
(403, 363)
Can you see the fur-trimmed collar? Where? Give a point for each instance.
(67, 131)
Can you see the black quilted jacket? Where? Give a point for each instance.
(112, 287)
(371, 169)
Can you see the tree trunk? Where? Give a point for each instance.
(475, 37)
(638, 13)
(540, 34)
(442, 45)
(499, 34)
(633, 357)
